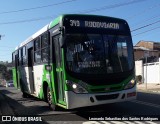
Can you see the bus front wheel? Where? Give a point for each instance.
(49, 99)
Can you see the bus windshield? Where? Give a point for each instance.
(98, 53)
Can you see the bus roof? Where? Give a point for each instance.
(41, 31)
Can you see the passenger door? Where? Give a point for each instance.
(59, 80)
(15, 73)
(30, 70)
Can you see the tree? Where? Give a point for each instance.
(4, 73)
(3, 69)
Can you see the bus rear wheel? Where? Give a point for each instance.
(49, 100)
(24, 95)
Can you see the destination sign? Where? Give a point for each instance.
(94, 24)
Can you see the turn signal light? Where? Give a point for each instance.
(131, 94)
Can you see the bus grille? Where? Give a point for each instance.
(110, 89)
(106, 97)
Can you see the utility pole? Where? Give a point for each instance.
(146, 54)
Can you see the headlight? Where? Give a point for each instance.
(76, 87)
(130, 84)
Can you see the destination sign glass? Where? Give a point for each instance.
(95, 24)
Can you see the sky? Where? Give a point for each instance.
(19, 19)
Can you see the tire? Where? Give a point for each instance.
(24, 95)
(49, 100)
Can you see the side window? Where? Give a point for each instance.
(13, 58)
(37, 44)
(23, 55)
(37, 51)
(45, 47)
(45, 41)
(20, 57)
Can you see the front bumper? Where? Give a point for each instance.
(82, 100)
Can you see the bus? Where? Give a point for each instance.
(77, 61)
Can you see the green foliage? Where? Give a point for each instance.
(4, 73)
(3, 68)
(139, 78)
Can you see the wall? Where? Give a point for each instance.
(139, 68)
(151, 73)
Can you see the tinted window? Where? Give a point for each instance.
(37, 44)
(45, 54)
(99, 53)
(45, 47)
(37, 56)
(45, 41)
(37, 52)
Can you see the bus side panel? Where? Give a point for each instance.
(15, 76)
(54, 86)
(24, 82)
(47, 79)
(38, 74)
